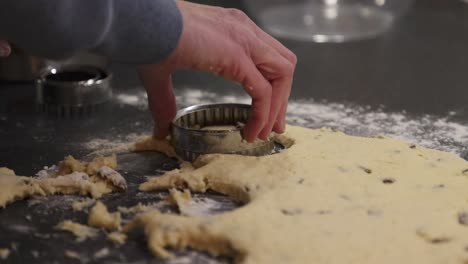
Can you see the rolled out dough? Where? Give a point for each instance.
(328, 198)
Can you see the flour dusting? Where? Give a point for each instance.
(137, 99)
(439, 132)
(426, 130)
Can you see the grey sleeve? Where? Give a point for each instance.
(128, 31)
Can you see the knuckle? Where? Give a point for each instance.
(237, 14)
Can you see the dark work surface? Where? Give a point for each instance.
(420, 66)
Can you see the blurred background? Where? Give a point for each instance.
(387, 56)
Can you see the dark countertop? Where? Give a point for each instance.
(419, 67)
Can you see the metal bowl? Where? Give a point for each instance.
(214, 128)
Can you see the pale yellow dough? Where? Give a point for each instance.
(80, 205)
(117, 237)
(81, 232)
(329, 198)
(4, 253)
(73, 177)
(99, 216)
(71, 254)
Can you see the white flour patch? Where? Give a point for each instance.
(119, 143)
(194, 257)
(137, 99)
(199, 206)
(23, 229)
(48, 204)
(429, 131)
(188, 97)
(426, 130)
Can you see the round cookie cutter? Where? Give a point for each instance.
(72, 89)
(214, 128)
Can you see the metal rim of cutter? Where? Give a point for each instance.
(190, 141)
(73, 87)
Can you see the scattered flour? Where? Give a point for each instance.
(198, 206)
(137, 99)
(194, 257)
(427, 130)
(103, 252)
(117, 144)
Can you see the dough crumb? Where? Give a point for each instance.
(113, 176)
(117, 237)
(103, 252)
(152, 144)
(80, 205)
(181, 200)
(97, 163)
(99, 216)
(134, 209)
(176, 196)
(4, 253)
(174, 231)
(81, 232)
(72, 254)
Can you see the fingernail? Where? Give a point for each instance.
(4, 50)
(268, 69)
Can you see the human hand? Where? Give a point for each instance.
(227, 43)
(5, 49)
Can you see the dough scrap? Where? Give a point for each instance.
(81, 232)
(73, 176)
(150, 144)
(179, 198)
(328, 198)
(167, 230)
(4, 253)
(80, 205)
(99, 216)
(139, 208)
(72, 254)
(113, 176)
(103, 252)
(117, 237)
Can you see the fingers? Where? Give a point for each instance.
(280, 123)
(158, 84)
(279, 71)
(277, 65)
(244, 71)
(5, 49)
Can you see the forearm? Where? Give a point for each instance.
(143, 31)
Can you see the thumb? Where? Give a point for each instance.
(161, 99)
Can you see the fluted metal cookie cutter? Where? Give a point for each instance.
(214, 128)
(72, 90)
